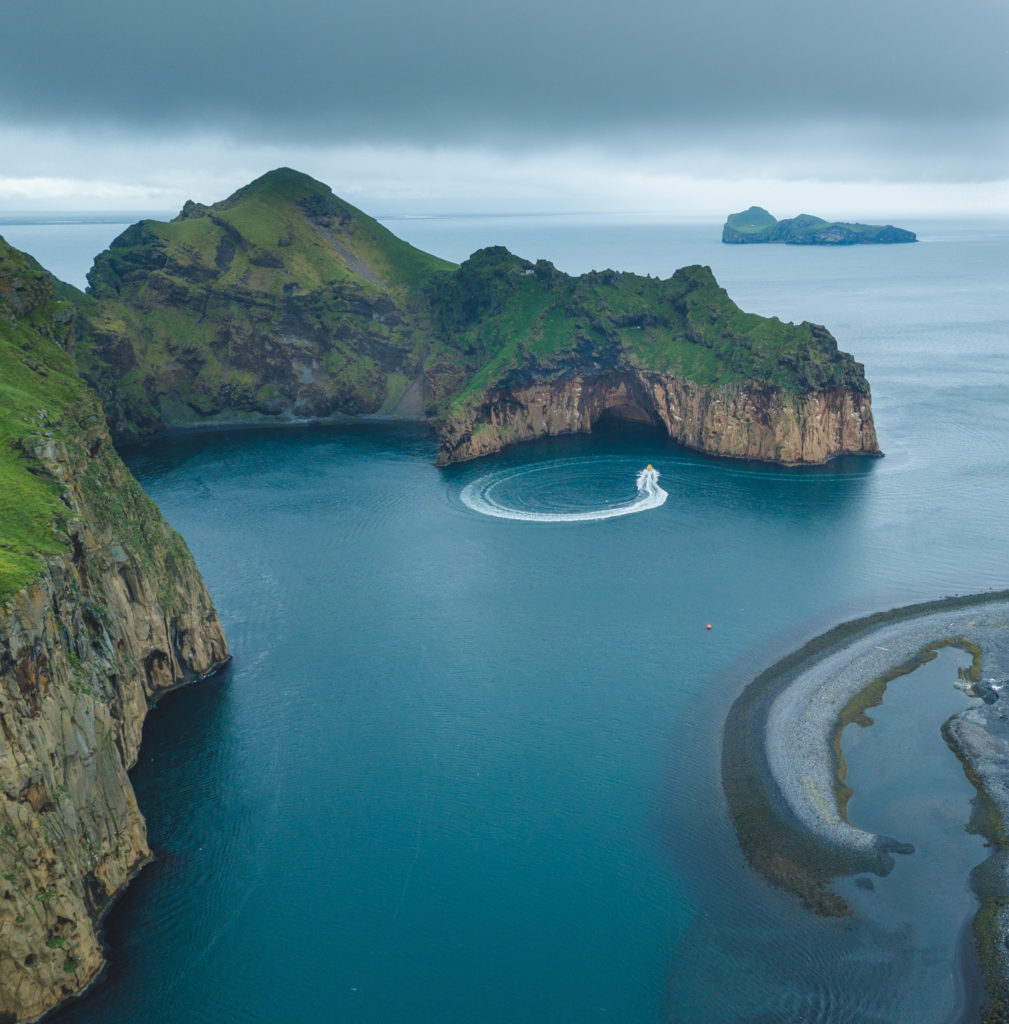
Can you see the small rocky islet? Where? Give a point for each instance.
(756, 225)
(280, 304)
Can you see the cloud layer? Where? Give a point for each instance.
(906, 90)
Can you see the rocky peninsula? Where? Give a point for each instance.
(569, 352)
(102, 609)
(782, 767)
(757, 225)
(283, 303)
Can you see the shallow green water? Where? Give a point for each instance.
(465, 768)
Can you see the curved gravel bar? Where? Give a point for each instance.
(779, 765)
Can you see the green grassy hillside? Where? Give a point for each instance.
(281, 298)
(41, 399)
(56, 456)
(754, 223)
(506, 317)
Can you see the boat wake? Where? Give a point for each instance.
(494, 495)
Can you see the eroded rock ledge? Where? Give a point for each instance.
(766, 423)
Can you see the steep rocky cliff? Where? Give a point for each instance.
(101, 610)
(767, 424)
(676, 353)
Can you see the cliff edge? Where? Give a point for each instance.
(101, 610)
(560, 354)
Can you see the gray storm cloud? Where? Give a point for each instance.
(926, 81)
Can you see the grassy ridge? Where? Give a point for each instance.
(263, 208)
(505, 315)
(284, 229)
(754, 221)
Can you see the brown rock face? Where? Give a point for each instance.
(765, 423)
(84, 650)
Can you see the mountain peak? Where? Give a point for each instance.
(282, 183)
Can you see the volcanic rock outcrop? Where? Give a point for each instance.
(675, 353)
(769, 425)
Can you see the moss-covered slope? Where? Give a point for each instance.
(101, 608)
(40, 394)
(280, 301)
(505, 315)
(757, 225)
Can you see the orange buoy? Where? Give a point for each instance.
(709, 625)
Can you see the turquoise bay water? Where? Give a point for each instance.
(466, 768)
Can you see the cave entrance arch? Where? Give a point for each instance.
(627, 417)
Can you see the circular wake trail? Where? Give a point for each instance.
(479, 497)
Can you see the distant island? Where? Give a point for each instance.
(757, 225)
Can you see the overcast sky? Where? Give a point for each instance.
(856, 106)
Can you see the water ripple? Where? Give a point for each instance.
(543, 493)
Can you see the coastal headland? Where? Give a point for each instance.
(283, 303)
(783, 770)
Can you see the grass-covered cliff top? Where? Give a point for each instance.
(49, 416)
(754, 221)
(757, 225)
(510, 318)
(41, 397)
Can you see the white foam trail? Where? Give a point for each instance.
(477, 496)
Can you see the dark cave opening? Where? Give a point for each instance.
(628, 418)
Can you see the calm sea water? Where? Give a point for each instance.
(466, 768)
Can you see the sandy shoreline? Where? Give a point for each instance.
(780, 767)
